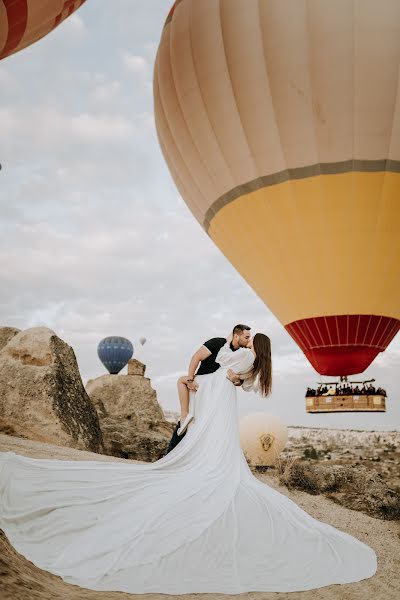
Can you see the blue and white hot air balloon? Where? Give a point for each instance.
(114, 352)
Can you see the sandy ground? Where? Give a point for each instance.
(21, 580)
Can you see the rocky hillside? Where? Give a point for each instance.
(379, 450)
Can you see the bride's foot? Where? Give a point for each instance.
(184, 422)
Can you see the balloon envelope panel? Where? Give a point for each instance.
(280, 124)
(114, 353)
(23, 22)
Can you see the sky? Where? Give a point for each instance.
(95, 238)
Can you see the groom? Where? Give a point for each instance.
(205, 356)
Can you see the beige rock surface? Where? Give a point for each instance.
(131, 419)
(21, 580)
(6, 334)
(42, 396)
(135, 367)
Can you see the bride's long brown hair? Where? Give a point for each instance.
(263, 363)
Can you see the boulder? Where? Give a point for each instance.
(132, 421)
(42, 396)
(6, 334)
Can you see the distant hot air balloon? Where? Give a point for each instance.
(142, 340)
(280, 124)
(114, 352)
(23, 22)
(263, 436)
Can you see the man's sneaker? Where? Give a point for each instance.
(185, 423)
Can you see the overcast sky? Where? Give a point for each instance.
(95, 239)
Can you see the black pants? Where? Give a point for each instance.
(175, 438)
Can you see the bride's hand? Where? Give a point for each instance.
(229, 338)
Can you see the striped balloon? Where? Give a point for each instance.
(23, 22)
(279, 121)
(115, 352)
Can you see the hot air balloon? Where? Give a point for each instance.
(142, 341)
(115, 352)
(280, 124)
(23, 22)
(263, 436)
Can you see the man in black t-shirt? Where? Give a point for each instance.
(205, 356)
(208, 364)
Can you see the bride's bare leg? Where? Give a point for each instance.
(183, 392)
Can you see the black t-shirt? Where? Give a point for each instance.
(208, 365)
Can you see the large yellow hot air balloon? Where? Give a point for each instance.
(23, 22)
(280, 123)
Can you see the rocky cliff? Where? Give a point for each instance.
(41, 392)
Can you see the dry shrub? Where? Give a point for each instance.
(284, 469)
(6, 427)
(294, 474)
(355, 487)
(314, 479)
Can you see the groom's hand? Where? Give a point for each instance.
(234, 377)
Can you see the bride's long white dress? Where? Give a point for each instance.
(196, 520)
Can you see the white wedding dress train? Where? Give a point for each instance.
(196, 520)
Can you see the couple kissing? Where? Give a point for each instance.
(255, 375)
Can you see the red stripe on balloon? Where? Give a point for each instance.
(17, 15)
(68, 8)
(343, 344)
(171, 12)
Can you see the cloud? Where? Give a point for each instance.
(136, 64)
(74, 26)
(47, 125)
(7, 82)
(293, 363)
(106, 92)
(9, 123)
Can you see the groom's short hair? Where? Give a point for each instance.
(240, 328)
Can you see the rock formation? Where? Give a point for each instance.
(132, 421)
(135, 367)
(6, 334)
(41, 392)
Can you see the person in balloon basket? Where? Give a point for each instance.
(205, 356)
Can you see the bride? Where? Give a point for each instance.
(197, 520)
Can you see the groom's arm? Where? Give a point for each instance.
(197, 357)
(234, 377)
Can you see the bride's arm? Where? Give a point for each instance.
(227, 358)
(249, 385)
(224, 356)
(246, 377)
